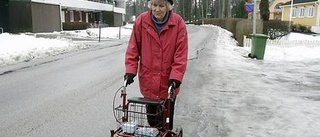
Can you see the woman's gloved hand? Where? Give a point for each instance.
(129, 77)
(175, 83)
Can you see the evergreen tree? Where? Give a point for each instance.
(264, 10)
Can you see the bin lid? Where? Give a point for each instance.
(259, 35)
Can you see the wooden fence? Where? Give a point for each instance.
(285, 43)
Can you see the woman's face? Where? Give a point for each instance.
(159, 10)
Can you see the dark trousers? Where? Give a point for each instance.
(155, 117)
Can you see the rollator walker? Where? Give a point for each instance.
(135, 120)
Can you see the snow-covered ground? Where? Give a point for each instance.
(225, 94)
(296, 47)
(315, 29)
(27, 46)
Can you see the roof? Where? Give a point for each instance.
(299, 1)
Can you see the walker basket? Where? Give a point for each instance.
(141, 114)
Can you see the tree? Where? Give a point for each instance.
(240, 10)
(264, 10)
(191, 10)
(184, 9)
(222, 8)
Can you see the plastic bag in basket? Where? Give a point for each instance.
(145, 131)
(129, 127)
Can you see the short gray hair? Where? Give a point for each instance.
(170, 7)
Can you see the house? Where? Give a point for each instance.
(304, 12)
(52, 15)
(276, 10)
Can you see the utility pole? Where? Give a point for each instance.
(290, 16)
(255, 17)
(318, 14)
(207, 9)
(202, 12)
(223, 9)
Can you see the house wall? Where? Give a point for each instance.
(76, 16)
(67, 16)
(45, 17)
(285, 13)
(305, 21)
(91, 17)
(276, 16)
(309, 21)
(318, 14)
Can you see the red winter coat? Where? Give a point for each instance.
(160, 56)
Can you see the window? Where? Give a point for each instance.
(71, 16)
(294, 12)
(63, 19)
(301, 12)
(310, 11)
(278, 8)
(87, 17)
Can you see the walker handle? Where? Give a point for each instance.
(125, 83)
(124, 86)
(170, 91)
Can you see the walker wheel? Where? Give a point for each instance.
(179, 131)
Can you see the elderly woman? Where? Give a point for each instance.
(158, 50)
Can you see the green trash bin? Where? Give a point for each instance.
(258, 45)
